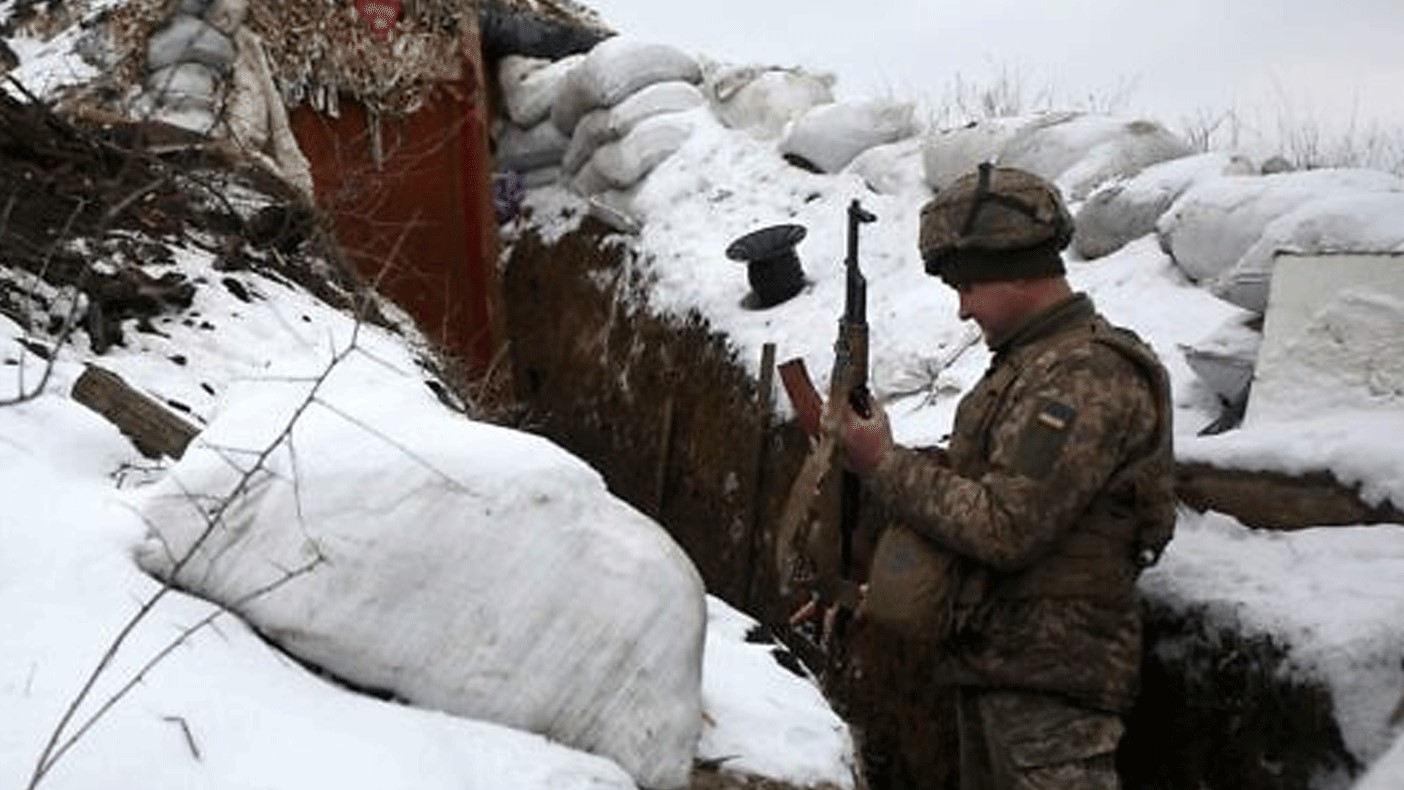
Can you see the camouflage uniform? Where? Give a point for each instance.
(1054, 459)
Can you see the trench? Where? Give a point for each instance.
(662, 407)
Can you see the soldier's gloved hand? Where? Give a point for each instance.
(865, 441)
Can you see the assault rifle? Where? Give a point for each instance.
(815, 539)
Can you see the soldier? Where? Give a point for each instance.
(1056, 490)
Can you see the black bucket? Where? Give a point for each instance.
(772, 265)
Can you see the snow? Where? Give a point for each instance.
(225, 709)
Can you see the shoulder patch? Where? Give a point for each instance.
(1042, 439)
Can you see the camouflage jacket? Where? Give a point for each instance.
(1037, 496)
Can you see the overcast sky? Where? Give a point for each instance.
(1324, 62)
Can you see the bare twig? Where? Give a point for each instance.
(189, 738)
(53, 748)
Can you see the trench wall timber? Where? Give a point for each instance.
(677, 427)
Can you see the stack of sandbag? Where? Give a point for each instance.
(828, 137)
(762, 100)
(187, 61)
(1121, 211)
(456, 565)
(625, 107)
(1076, 151)
(527, 141)
(1224, 232)
(206, 71)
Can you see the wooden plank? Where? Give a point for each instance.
(154, 429)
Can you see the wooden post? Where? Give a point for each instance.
(154, 429)
(765, 403)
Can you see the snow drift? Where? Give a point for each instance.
(529, 596)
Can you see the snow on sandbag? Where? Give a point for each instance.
(1210, 227)
(460, 566)
(948, 154)
(614, 69)
(1121, 211)
(1079, 152)
(608, 124)
(1333, 340)
(892, 169)
(1368, 222)
(625, 162)
(1224, 358)
(761, 100)
(832, 135)
(529, 149)
(530, 86)
(189, 40)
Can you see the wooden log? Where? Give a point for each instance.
(151, 427)
(1274, 500)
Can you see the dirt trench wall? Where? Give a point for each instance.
(663, 409)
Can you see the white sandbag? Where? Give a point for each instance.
(1123, 210)
(1079, 151)
(1343, 222)
(762, 100)
(520, 149)
(626, 161)
(184, 85)
(948, 154)
(1333, 339)
(1210, 227)
(832, 135)
(530, 85)
(892, 169)
(227, 16)
(614, 69)
(189, 40)
(608, 124)
(542, 176)
(1139, 145)
(463, 567)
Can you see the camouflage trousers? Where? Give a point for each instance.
(1024, 741)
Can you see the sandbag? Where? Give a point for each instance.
(529, 149)
(1343, 222)
(762, 100)
(891, 169)
(608, 124)
(189, 40)
(530, 86)
(614, 69)
(948, 154)
(1216, 221)
(832, 135)
(184, 85)
(1079, 151)
(1124, 210)
(625, 162)
(460, 566)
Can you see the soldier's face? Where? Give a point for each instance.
(997, 307)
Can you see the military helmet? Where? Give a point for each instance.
(998, 223)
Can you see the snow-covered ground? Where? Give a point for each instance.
(225, 709)
(217, 706)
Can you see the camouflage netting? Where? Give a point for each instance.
(320, 49)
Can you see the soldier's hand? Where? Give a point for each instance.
(865, 441)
